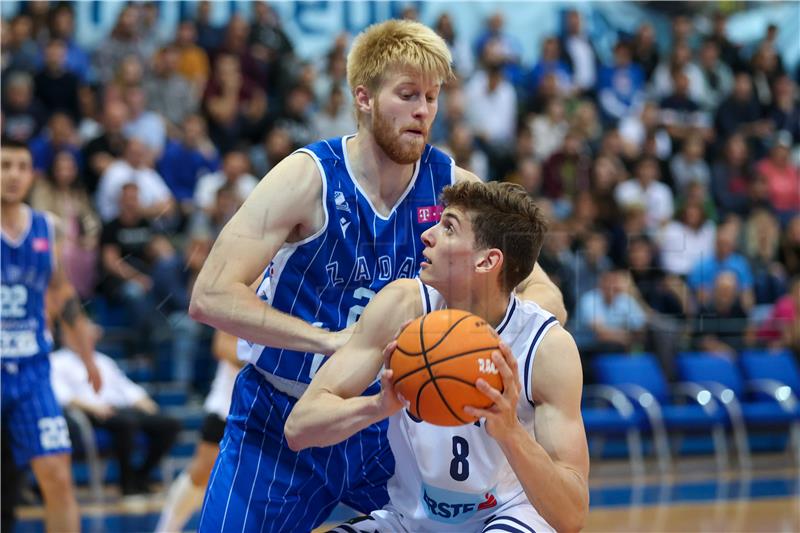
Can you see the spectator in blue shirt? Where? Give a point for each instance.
(59, 135)
(703, 275)
(62, 26)
(609, 319)
(185, 160)
(621, 87)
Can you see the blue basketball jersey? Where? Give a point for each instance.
(27, 265)
(328, 278)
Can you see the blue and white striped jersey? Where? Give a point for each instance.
(27, 264)
(328, 278)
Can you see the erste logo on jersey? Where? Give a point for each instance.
(453, 507)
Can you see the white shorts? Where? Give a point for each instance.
(520, 518)
(218, 401)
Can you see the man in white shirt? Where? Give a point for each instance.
(121, 407)
(492, 100)
(154, 196)
(235, 170)
(646, 190)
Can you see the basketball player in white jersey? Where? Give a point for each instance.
(511, 470)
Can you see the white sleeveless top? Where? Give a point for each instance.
(449, 477)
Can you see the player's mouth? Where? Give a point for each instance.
(416, 133)
(426, 262)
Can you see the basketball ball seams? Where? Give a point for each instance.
(443, 360)
(441, 339)
(441, 396)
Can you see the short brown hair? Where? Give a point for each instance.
(503, 216)
(396, 44)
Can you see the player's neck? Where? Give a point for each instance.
(13, 218)
(375, 172)
(489, 303)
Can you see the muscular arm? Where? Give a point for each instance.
(537, 287)
(558, 458)
(284, 207)
(332, 409)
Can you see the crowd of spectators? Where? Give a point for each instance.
(669, 174)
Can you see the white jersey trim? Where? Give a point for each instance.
(364, 194)
(528, 369)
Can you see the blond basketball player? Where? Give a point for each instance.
(524, 466)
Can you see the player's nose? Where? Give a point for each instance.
(427, 237)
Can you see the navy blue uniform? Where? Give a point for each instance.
(29, 408)
(258, 483)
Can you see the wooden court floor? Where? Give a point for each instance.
(693, 497)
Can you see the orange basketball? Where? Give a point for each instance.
(438, 358)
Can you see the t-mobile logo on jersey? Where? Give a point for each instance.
(430, 213)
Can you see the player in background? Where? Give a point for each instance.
(333, 223)
(185, 495)
(34, 285)
(510, 471)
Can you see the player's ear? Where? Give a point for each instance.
(363, 98)
(489, 260)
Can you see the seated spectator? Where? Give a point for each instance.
(664, 299)
(578, 53)
(781, 329)
(335, 118)
(187, 158)
(762, 236)
(782, 175)
(645, 49)
(296, 115)
(205, 226)
(785, 110)
(140, 270)
(235, 171)
(550, 63)
(549, 129)
(689, 166)
(731, 176)
(492, 108)
(591, 261)
(232, 103)
(167, 92)
(685, 241)
(57, 87)
(681, 114)
(192, 60)
(23, 115)
(566, 172)
(717, 76)
(586, 123)
(464, 151)
(608, 318)
(789, 254)
(646, 190)
(463, 56)
(62, 193)
(124, 40)
(721, 323)
(120, 407)
(741, 113)
(703, 275)
(102, 150)
(145, 125)
(620, 88)
(62, 26)
(275, 146)
(664, 77)
(21, 47)
(635, 129)
(135, 166)
(58, 136)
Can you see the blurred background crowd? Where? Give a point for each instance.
(668, 167)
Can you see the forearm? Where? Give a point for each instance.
(565, 503)
(324, 419)
(237, 310)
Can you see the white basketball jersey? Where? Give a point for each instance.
(218, 401)
(455, 478)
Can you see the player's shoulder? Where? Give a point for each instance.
(434, 156)
(324, 149)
